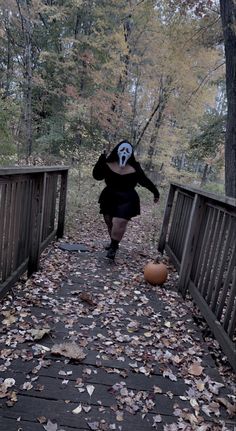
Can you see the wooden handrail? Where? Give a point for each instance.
(31, 170)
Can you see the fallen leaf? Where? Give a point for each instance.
(231, 408)
(87, 297)
(77, 410)
(86, 408)
(90, 389)
(169, 374)
(156, 419)
(38, 334)
(9, 320)
(195, 369)
(119, 416)
(41, 419)
(8, 383)
(27, 386)
(69, 350)
(200, 385)
(50, 426)
(93, 425)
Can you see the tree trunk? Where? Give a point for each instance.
(204, 175)
(26, 26)
(28, 90)
(158, 122)
(228, 17)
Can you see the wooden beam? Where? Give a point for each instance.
(166, 219)
(62, 205)
(194, 225)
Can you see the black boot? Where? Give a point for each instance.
(108, 246)
(113, 249)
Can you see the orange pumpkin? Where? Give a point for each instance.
(155, 273)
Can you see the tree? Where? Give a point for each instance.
(228, 17)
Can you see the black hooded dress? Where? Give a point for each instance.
(119, 198)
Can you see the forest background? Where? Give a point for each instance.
(78, 76)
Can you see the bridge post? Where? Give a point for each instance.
(37, 210)
(62, 205)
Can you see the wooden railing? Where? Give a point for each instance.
(31, 199)
(199, 235)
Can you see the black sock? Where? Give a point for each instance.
(114, 244)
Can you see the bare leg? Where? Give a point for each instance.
(108, 221)
(119, 226)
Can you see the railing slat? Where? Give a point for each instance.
(227, 280)
(230, 303)
(190, 243)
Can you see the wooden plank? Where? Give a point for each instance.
(185, 224)
(206, 250)
(232, 322)
(26, 217)
(29, 408)
(206, 265)
(166, 219)
(54, 199)
(231, 305)
(206, 288)
(225, 288)
(172, 256)
(179, 226)
(175, 222)
(211, 196)
(43, 205)
(36, 216)
(32, 170)
(194, 227)
(12, 215)
(3, 188)
(222, 337)
(62, 205)
(202, 245)
(216, 261)
(17, 225)
(6, 231)
(227, 237)
(47, 241)
(198, 246)
(6, 285)
(10, 424)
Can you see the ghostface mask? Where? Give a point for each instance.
(124, 152)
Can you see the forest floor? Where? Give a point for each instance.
(88, 345)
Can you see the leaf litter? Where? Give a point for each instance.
(123, 325)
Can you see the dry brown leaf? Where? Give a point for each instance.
(231, 408)
(195, 369)
(38, 334)
(87, 297)
(41, 419)
(69, 350)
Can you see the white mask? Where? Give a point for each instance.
(124, 152)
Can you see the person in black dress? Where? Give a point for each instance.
(119, 201)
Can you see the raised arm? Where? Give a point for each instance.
(99, 168)
(144, 181)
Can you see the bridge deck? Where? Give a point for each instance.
(146, 365)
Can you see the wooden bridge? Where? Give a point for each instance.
(137, 359)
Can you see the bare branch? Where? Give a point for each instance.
(204, 80)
